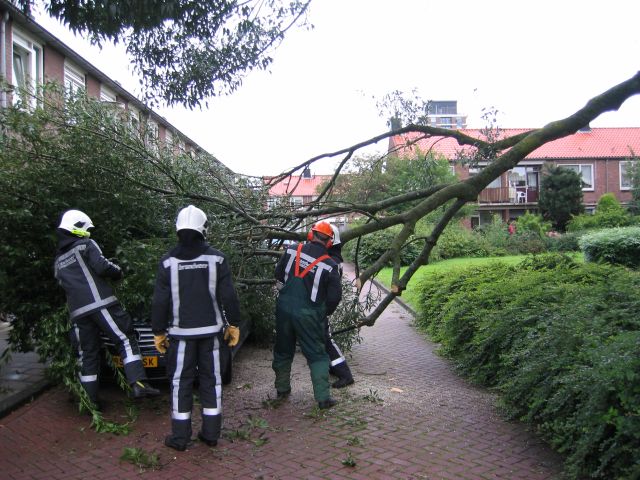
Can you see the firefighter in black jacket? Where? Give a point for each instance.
(193, 294)
(311, 290)
(82, 270)
(337, 362)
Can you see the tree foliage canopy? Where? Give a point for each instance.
(91, 161)
(185, 51)
(560, 196)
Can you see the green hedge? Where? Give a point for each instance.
(560, 341)
(614, 245)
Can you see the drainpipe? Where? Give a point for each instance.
(3, 60)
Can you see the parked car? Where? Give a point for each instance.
(155, 363)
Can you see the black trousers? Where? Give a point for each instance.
(116, 323)
(188, 358)
(337, 362)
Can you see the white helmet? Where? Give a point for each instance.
(76, 222)
(192, 218)
(336, 235)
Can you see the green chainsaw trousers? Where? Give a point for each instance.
(299, 319)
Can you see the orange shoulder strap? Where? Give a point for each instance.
(306, 270)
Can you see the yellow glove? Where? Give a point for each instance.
(232, 335)
(161, 342)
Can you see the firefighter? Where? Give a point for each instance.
(193, 297)
(311, 290)
(82, 271)
(338, 366)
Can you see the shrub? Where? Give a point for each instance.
(560, 196)
(533, 223)
(526, 242)
(566, 242)
(372, 246)
(560, 341)
(609, 213)
(615, 245)
(458, 242)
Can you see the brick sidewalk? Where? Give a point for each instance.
(408, 416)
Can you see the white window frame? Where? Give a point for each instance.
(580, 167)
(625, 163)
(74, 78)
(272, 202)
(31, 63)
(296, 202)
(133, 118)
(151, 134)
(168, 138)
(495, 183)
(107, 95)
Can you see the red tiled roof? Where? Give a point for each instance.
(596, 143)
(301, 187)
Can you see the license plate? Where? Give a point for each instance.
(147, 362)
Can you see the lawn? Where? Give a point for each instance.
(410, 295)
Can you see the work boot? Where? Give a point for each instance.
(141, 389)
(283, 395)
(342, 382)
(328, 403)
(171, 442)
(210, 443)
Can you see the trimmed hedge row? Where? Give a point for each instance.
(560, 341)
(614, 245)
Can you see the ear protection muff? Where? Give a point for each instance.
(325, 229)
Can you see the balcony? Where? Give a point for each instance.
(508, 195)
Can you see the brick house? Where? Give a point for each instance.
(299, 191)
(31, 56)
(599, 155)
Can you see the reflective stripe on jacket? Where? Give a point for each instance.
(322, 283)
(190, 295)
(81, 271)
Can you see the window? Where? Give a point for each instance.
(133, 117)
(107, 95)
(272, 202)
(586, 173)
(495, 183)
(151, 135)
(625, 175)
(27, 68)
(73, 79)
(517, 177)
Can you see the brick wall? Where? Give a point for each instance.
(93, 87)
(53, 65)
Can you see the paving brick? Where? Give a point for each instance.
(438, 427)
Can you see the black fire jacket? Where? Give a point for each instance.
(194, 290)
(82, 270)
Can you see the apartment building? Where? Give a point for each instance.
(444, 114)
(300, 190)
(31, 56)
(600, 155)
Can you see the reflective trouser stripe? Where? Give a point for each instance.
(130, 356)
(175, 390)
(88, 378)
(337, 361)
(180, 415)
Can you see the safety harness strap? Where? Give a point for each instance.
(308, 269)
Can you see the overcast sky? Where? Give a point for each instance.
(534, 61)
